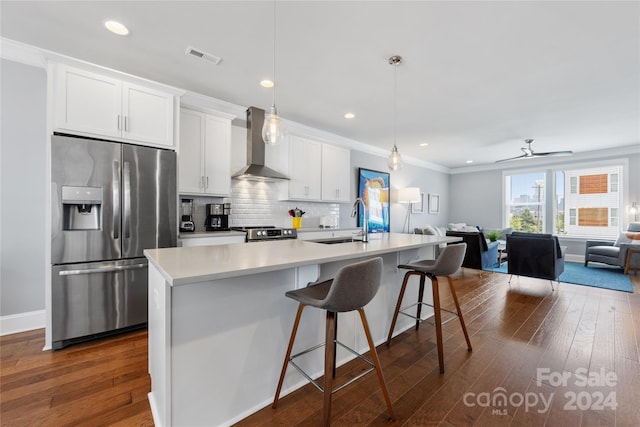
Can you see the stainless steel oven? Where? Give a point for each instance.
(266, 233)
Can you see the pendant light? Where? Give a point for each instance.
(273, 130)
(395, 160)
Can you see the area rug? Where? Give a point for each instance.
(594, 275)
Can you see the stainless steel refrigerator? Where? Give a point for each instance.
(109, 202)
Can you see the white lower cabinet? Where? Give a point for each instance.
(204, 154)
(210, 241)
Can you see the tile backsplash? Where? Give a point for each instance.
(255, 203)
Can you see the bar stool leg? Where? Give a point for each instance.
(376, 363)
(335, 334)
(455, 300)
(438, 321)
(420, 296)
(397, 310)
(294, 331)
(329, 357)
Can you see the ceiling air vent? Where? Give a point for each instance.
(197, 53)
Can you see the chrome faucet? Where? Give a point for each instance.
(365, 220)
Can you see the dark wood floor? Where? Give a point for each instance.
(516, 330)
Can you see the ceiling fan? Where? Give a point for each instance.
(529, 153)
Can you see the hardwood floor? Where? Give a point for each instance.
(99, 383)
(520, 333)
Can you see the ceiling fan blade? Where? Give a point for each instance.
(553, 153)
(512, 158)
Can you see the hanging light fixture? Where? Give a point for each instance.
(273, 130)
(395, 160)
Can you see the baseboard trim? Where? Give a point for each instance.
(574, 258)
(21, 322)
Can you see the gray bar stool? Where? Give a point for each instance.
(447, 263)
(352, 288)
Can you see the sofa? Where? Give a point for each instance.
(534, 255)
(480, 254)
(615, 253)
(431, 230)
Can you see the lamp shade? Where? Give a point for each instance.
(409, 195)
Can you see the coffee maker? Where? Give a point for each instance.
(186, 221)
(217, 216)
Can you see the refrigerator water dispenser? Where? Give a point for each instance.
(81, 208)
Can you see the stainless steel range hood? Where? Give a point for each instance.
(255, 169)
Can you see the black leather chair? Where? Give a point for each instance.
(480, 254)
(534, 255)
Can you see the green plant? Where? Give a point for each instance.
(493, 235)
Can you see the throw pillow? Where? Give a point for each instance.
(628, 237)
(457, 226)
(427, 229)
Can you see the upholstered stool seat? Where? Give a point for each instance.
(447, 263)
(353, 287)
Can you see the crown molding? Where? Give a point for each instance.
(39, 57)
(19, 52)
(626, 150)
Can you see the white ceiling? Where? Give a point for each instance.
(477, 78)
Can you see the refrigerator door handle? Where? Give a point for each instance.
(102, 270)
(116, 199)
(127, 200)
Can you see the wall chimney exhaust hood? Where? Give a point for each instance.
(255, 169)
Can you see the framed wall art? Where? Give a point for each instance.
(434, 203)
(373, 188)
(418, 207)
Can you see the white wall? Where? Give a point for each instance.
(476, 198)
(429, 181)
(22, 187)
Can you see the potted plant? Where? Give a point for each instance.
(493, 235)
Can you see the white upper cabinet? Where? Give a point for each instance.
(204, 154)
(305, 169)
(92, 104)
(335, 173)
(148, 114)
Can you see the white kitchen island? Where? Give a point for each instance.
(219, 322)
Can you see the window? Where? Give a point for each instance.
(614, 183)
(526, 201)
(586, 202)
(572, 216)
(613, 216)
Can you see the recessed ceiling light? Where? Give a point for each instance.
(116, 28)
(469, 161)
(424, 144)
(349, 116)
(266, 83)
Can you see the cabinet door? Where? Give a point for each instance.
(148, 115)
(314, 169)
(335, 173)
(304, 167)
(190, 154)
(87, 102)
(297, 168)
(217, 156)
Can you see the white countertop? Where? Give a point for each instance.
(185, 265)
